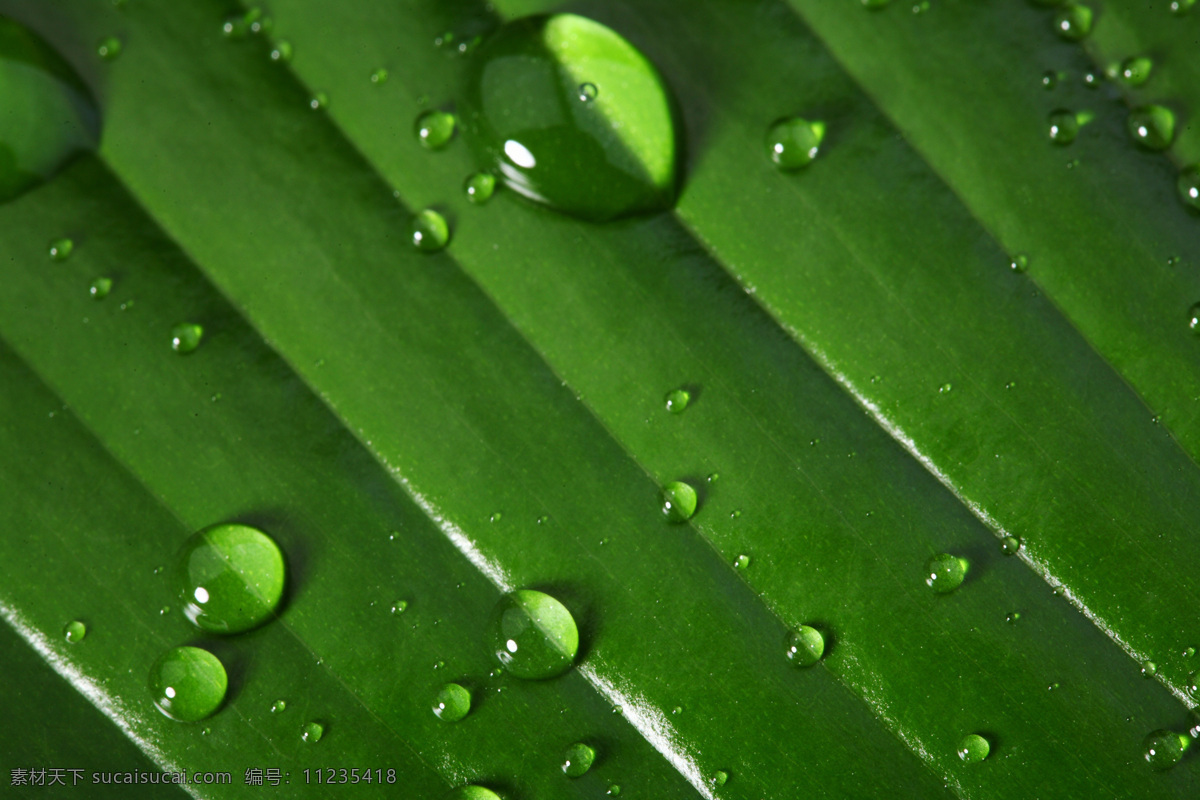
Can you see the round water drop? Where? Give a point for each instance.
(453, 702)
(61, 249)
(1019, 263)
(578, 760)
(572, 115)
(496, 516)
(1073, 22)
(318, 101)
(1135, 70)
(312, 732)
(1010, 545)
(282, 51)
(100, 288)
(230, 578)
(430, 231)
(614, 790)
(742, 561)
(480, 187)
(973, 748)
(1013, 618)
(678, 501)
(532, 635)
(945, 572)
(399, 607)
(1189, 187)
(1162, 749)
(1049, 80)
(1149, 669)
(720, 777)
(109, 48)
(1193, 683)
(279, 706)
(379, 76)
(677, 400)
(74, 631)
(472, 793)
(185, 337)
(945, 388)
(435, 129)
(1180, 7)
(1188, 652)
(233, 27)
(1063, 126)
(793, 143)
(1152, 127)
(188, 683)
(804, 646)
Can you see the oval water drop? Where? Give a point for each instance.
(282, 51)
(741, 562)
(614, 790)
(185, 337)
(1135, 70)
(430, 231)
(1010, 545)
(533, 635)
(435, 129)
(100, 288)
(793, 143)
(230, 578)
(74, 631)
(1163, 749)
(109, 48)
(1152, 127)
(1149, 669)
(1063, 126)
(973, 748)
(453, 703)
(312, 732)
(1013, 618)
(1188, 184)
(1019, 263)
(1049, 79)
(188, 683)
(399, 607)
(1193, 684)
(677, 400)
(61, 249)
(678, 501)
(572, 115)
(1073, 22)
(578, 760)
(804, 646)
(945, 572)
(480, 187)
(720, 777)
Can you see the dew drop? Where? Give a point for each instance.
(973, 748)
(1149, 669)
(1194, 318)
(713, 477)
(164, 610)
(578, 760)
(720, 777)
(399, 607)
(430, 231)
(496, 516)
(1188, 652)
(1064, 126)
(542, 520)
(533, 635)
(945, 572)
(742, 561)
(804, 646)
(587, 92)
(453, 703)
(480, 187)
(678, 501)
(185, 337)
(188, 683)
(100, 288)
(435, 129)
(737, 512)
(1152, 127)
(233, 27)
(1010, 545)
(613, 790)
(1189, 187)
(1134, 71)
(279, 706)
(282, 51)
(1091, 80)
(318, 101)
(945, 388)
(74, 631)
(109, 48)
(1013, 618)
(1193, 684)
(61, 249)
(1073, 22)
(472, 793)
(1163, 749)
(677, 400)
(312, 732)
(1019, 263)
(1049, 80)
(230, 578)
(793, 143)
(1180, 7)
(379, 76)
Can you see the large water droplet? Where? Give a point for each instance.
(312, 732)
(804, 646)
(678, 501)
(973, 748)
(188, 683)
(677, 400)
(453, 702)
(430, 231)
(530, 115)
(1073, 21)
(793, 143)
(1162, 749)
(578, 760)
(230, 578)
(945, 572)
(532, 635)
(480, 187)
(472, 793)
(1189, 187)
(1152, 127)
(435, 129)
(1135, 70)
(185, 337)
(74, 631)
(1194, 318)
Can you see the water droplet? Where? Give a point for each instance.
(1013, 618)
(230, 578)
(1049, 80)
(282, 52)
(185, 337)
(496, 517)
(587, 92)
(973, 748)
(109, 48)
(678, 501)
(614, 790)
(793, 143)
(1152, 127)
(578, 760)
(737, 512)
(233, 27)
(1073, 22)
(1179, 7)
(435, 129)
(1162, 749)
(399, 607)
(1193, 684)
(164, 610)
(430, 231)
(804, 646)
(100, 288)
(439, 664)
(1189, 187)
(543, 519)
(1064, 126)
(472, 793)
(713, 477)
(1135, 70)
(480, 187)
(1091, 80)
(945, 388)
(610, 156)
(742, 561)
(319, 100)
(533, 635)
(74, 631)
(379, 76)
(1019, 263)
(188, 683)
(452, 703)
(677, 400)
(1188, 652)
(60, 249)
(1010, 545)
(1149, 669)
(720, 777)
(279, 706)
(312, 732)
(1052, 687)
(256, 21)
(945, 572)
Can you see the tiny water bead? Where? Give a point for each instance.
(804, 646)
(1019, 263)
(471, 792)
(430, 231)
(1152, 127)
(109, 48)
(1189, 187)
(61, 249)
(572, 115)
(1013, 618)
(1135, 70)
(677, 400)
(793, 143)
(188, 683)
(945, 572)
(279, 706)
(614, 790)
(1149, 669)
(74, 631)
(678, 501)
(973, 748)
(480, 187)
(1063, 126)
(185, 337)
(312, 732)
(1010, 545)
(100, 288)
(578, 760)
(230, 578)
(282, 51)
(1163, 749)
(399, 607)
(532, 635)
(496, 516)
(453, 703)
(1073, 21)
(318, 101)
(1049, 79)
(742, 561)
(1193, 684)
(435, 129)
(1188, 652)
(379, 76)
(720, 777)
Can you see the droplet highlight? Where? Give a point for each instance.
(109, 48)
(61, 249)
(533, 635)
(1010, 545)
(480, 187)
(677, 400)
(1163, 749)
(230, 578)
(100, 288)
(312, 732)
(1135, 71)
(188, 683)
(1188, 185)
(1073, 22)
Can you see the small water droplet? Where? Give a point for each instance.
(677, 710)
(312, 732)
(737, 512)
(1073, 22)
(1188, 652)
(1010, 385)
(677, 400)
(1019, 263)
(973, 748)
(256, 21)
(1149, 669)
(435, 129)
(1194, 318)
(1052, 687)
(1010, 545)
(1151, 127)
(187, 683)
(282, 52)
(453, 703)
(945, 388)
(1188, 184)
(1049, 80)
(100, 288)
(164, 610)
(578, 760)
(430, 231)
(1193, 684)
(1013, 618)
(480, 187)
(1091, 80)
(279, 706)
(713, 477)
(399, 607)
(109, 48)
(793, 143)
(379, 76)
(742, 561)
(678, 501)
(1163, 749)
(185, 337)
(74, 631)
(720, 777)
(230, 578)
(439, 664)
(945, 572)
(613, 790)
(1064, 126)
(1135, 70)
(543, 519)
(804, 646)
(233, 27)
(587, 92)
(1180, 7)
(318, 101)
(532, 635)
(60, 249)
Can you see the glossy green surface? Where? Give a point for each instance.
(187, 683)
(230, 578)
